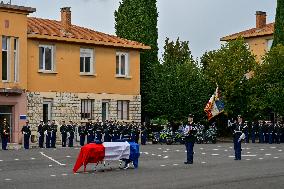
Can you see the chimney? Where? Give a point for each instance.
(66, 19)
(260, 19)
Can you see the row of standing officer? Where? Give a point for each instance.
(111, 131)
(268, 132)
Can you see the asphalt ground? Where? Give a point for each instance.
(160, 166)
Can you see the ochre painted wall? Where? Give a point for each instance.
(17, 28)
(258, 46)
(67, 77)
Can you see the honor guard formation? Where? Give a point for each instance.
(114, 131)
(88, 132)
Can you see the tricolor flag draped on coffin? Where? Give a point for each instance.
(107, 151)
(215, 106)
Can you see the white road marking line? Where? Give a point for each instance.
(141, 152)
(249, 155)
(272, 147)
(49, 165)
(219, 146)
(268, 154)
(215, 149)
(76, 173)
(203, 162)
(68, 156)
(166, 157)
(159, 155)
(248, 148)
(76, 148)
(168, 149)
(215, 154)
(146, 153)
(1, 160)
(16, 159)
(153, 154)
(248, 159)
(201, 148)
(162, 165)
(52, 159)
(262, 149)
(185, 151)
(231, 147)
(231, 156)
(226, 150)
(53, 175)
(175, 164)
(203, 153)
(32, 158)
(7, 179)
(165, 151)
(177, 150)
(159, 148)
(64, 174)
(248, 152)
(260, 158)
(276, 157)
(279, 150)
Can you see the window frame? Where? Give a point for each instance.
(120, 113)
(7, 50)
(126, 71)
(52, 47)
(16, 60)
(83, 54)
(83, 106)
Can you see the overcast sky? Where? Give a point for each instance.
(201, 22)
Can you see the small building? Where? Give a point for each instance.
(53, 70)
(259, 38)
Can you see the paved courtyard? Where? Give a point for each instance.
(160, 166)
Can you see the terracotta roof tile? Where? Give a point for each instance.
(254, 32)
(52, 28)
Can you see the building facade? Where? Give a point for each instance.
(259, 38)
(53, 70)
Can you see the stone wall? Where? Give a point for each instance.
(67, 106)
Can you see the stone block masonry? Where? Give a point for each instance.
(67, 106)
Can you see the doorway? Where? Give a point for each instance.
(6, 112)
(105, 110)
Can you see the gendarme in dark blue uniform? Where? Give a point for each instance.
(40, 130)
(190, 136)
(238, 136)
(5, 134)
(63, 131)
(27, 133)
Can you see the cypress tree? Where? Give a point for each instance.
(137, 20)
(279, 24)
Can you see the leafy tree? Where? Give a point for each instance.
(279, 24)
(137, 20)
(182, 88)
(268, 82)
(229, 67)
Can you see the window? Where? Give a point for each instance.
(269, 44)
(47, 103)
(87, 108)
(122, 66)
(86, 61)
(123, 110)
(5, 58)
(46, 58)
(16, 60)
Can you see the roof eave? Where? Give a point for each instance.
(92, 42)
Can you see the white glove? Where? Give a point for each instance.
(243, 136)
